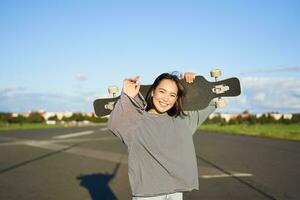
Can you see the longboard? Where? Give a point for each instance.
(198, 94)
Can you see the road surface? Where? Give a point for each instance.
(89, 163)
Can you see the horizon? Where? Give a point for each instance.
(216, 112)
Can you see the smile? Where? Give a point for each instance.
(163, 104)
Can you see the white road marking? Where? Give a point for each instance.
(225, 175)
(25, 142)
(103, 129)
(13, 143)
(90, 153)
(46, 145)
(208, 172)
(74, 134)
(84, 140)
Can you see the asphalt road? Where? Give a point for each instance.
(91, 164)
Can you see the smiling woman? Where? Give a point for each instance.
(159, 136)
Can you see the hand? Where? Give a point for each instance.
(189, 77)
(131, 86)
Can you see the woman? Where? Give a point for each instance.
(159, 137)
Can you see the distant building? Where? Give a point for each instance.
(24, 114)
(59, 115)
(228, 117)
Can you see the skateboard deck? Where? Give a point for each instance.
(198, 94)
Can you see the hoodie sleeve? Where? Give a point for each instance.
(197, 117)
(125, 115)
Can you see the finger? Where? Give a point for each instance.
(135, 82)
(189, 78)
(132, 80)
(126, 80)
(193, 76)
(138, 86)
(135, 79)
(185, 76)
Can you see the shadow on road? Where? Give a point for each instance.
(98, 185)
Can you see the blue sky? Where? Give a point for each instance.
(61, 55)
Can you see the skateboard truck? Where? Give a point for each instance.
(113, 90)
(215, 73)
(219, 89)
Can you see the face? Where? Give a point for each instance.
(164, 96)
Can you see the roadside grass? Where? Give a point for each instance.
(277, 131)
(27, 126)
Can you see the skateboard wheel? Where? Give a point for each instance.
(215, 73)
(220, 103)
(109, 106)
(113, 89)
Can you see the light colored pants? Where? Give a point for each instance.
(174, 196)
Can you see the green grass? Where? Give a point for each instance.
(6, 127)
(27, 126)
(278, 131)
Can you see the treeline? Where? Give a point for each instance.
(36, 117)
(252, 119)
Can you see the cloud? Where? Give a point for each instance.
(81, 77)
(26, 101)
(273, 94)
(274, 70)
(260, 97)
(92, 98)
(295, 92)
(20, 99)
(266, 94)
(11, 90)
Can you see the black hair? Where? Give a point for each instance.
(177, 109)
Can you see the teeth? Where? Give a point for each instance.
(163, 104)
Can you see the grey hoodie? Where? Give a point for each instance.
(162, 157)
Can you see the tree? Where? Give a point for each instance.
(53, 118)
(251, 120)
(216, 120)
(35, 117)
(77, 117)
(295, 119)
(245, 112)
(4, 117)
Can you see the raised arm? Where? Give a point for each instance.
(127, 110)
(197, 117)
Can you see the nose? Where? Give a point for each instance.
(165, 97)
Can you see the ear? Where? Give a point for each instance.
(152, 93)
